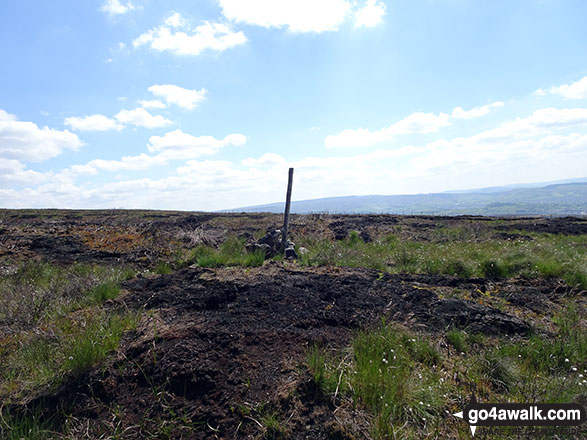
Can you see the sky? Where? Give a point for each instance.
(204, 104)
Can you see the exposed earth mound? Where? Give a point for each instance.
(215, 341)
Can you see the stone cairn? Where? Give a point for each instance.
(270, 243)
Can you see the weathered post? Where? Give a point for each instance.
(287, 206)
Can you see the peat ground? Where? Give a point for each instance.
(219, 352)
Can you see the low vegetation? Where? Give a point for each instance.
(394, 380)
(53, 329)
(410, 383)
(451, 251)
(230, 253)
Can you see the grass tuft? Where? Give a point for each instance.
(230, 253)
(461, 253)
(30, 426)
(457, 338)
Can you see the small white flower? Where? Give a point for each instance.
(566, 359)
(421, 403)
(580, 375)
(70, 358)
(574, 368)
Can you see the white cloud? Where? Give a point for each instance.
(174, 145)
(175, 21)
(371, 14)
(114, 7)
(153, 103)
(126, 163)
(13, 172)
(141, 118)
(93, 123)
(548, 144)
(173, 94)
(270, 159)
(25, 141)
(476, 112)
(295, 15)
(179, 145)
(207, 36)
(558, 118)
(415, 123)
(539, 92)
(540, 122)
(304, 15)
(576, 90)
(214, 184)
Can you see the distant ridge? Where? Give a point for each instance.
(533, 199)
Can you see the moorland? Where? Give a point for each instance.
(153, 324)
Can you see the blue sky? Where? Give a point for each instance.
(203, 105)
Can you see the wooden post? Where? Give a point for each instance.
(287, 206)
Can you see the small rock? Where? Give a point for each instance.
(290, 253)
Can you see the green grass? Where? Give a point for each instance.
(29, 426)
(163, 268)
(103, 292)
(58, 328)
(38, 290)
(94, 341)
(392, 374)
(457, 338)
(230, 253)
(555, 356)
(454, 253)
(321, 370)
(71, 348)
(273, 427)
(408, 385)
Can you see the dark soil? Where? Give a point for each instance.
(557, 225)
(68, 250)
(217, 342)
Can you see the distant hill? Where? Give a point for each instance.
(557, 199)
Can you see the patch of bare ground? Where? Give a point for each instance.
(222, 349)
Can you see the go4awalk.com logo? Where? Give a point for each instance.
(522, 414)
